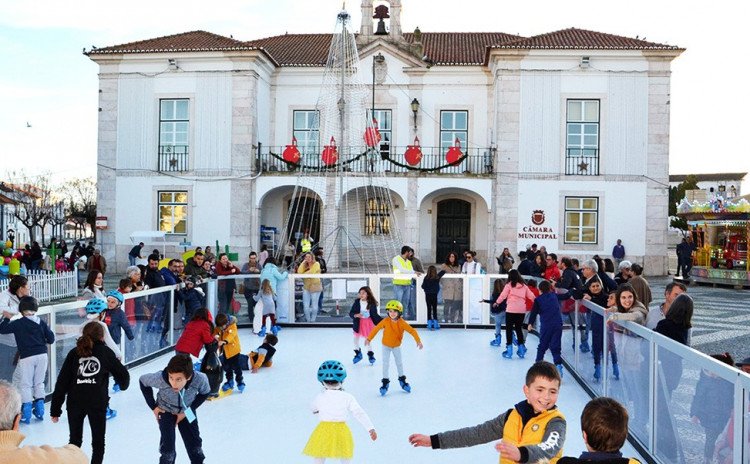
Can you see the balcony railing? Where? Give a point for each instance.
(582, 162)
(475, 161)
(174, 158)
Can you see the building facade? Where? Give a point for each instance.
(566, 137)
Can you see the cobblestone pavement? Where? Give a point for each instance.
(721, 322)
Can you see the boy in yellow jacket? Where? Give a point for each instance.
(531, 431)
(393, 332)
(229, 340)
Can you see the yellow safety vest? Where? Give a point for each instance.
(406, 264)
(306, 245)
(514, 432)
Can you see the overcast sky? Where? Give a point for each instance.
(47, 83)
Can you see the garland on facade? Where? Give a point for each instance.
(292, 165)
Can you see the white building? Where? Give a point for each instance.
(725, 185)
(567, 135)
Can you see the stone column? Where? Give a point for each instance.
(244, 134)
(504, 206)
(657, 193)
(106, 173)
(365, 29)
(395, 14)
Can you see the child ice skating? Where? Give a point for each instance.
(332, 437)
(263, 356)
(180, 391)
(229, 340)
(547, 306)
(431, 287)
(497, 311)
(115, 318)
(596, 295)
(516, 293)
(32, 337)
(393, 332)
(532, 430)
(365, 317)
(266, 295)
(84, 383)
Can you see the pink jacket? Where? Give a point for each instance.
(516, 297)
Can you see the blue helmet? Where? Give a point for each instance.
(331, 371)
(96, 306)
(116, 295)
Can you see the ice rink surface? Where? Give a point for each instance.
(457, 380)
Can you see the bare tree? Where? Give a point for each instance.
(34, 203)
(79, 196)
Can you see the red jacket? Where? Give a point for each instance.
(552, 273)
(195, 335)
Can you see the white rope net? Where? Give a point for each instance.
(344, 198)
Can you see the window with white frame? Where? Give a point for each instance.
(582, 128)
(377, 216)
(306, 130)
(385, 127)
(173, 211)
(453, 125)
(174, 123)
(581, 219)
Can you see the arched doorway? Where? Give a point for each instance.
(303, 214)
(453, 227)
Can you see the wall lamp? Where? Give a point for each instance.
(415, 110)
(173, 64)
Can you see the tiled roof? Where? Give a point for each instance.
(573, 38)
(443, 48)
(194, 41)
(738, 176)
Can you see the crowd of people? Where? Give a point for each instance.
(541, 286)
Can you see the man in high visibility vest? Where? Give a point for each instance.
(402, 265)
(307, 242)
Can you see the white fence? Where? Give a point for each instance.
(46, 286)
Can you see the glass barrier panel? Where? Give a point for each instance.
(675, 389)
(327, 301)
(630, 379)
(451, 299)
(149, 321)
(405, 293)
(67, 328)
(746, 419)
(590, 366)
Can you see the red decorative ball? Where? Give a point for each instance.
(413, 153)
(454, 153)
(291, 153)
(330, 155)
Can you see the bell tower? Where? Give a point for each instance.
(384, 10)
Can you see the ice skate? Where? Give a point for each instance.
(371, 357)
(435, 324)
(405, 386)
(521, 350)
(597, 372)
(262, 332)
(616, 371)
(111, 413)
(38, 408)
(357, 356)
(508, 353)
(559, 369)
(241, 387)
(228, 385)
(585, 348)
(384, 387)
(275, 329)
(498, 340)
(26, 413)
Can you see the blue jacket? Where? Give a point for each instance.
(32, 335)
(193, 299)
(271, 273)
(525, 268)
(117, 322)
(547, 306)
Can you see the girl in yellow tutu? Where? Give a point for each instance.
(332, 437)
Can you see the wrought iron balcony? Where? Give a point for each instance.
(174, 158)
(582, 162)
(474, 161)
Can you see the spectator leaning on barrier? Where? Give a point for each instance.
(10, 438)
